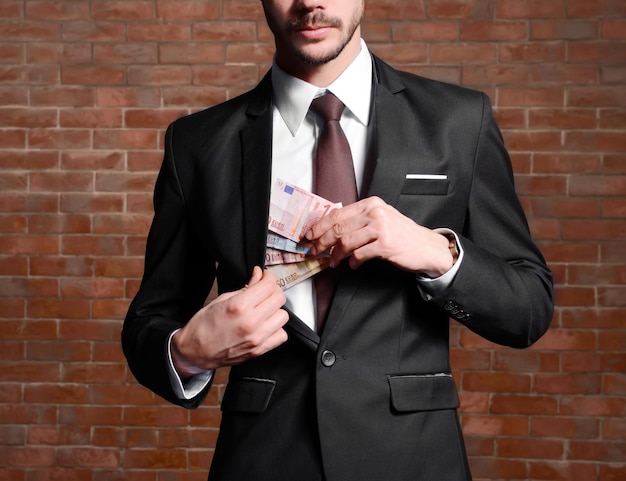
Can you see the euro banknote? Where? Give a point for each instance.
(288, 275)
(294, 210)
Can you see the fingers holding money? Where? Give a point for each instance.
(372, 229)
(236, 326)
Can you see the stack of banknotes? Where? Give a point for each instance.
(292, 212)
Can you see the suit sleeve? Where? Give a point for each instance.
(503, 289)
(177, 277)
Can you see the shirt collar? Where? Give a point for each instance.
(353, 87)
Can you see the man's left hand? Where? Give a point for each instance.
(372, 229)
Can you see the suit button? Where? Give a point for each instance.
(449, 306)
(328, 358)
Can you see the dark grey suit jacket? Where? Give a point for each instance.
(373, 397)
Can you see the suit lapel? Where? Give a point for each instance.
(392, 131)
(256, 141)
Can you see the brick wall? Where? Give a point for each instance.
(87, 88)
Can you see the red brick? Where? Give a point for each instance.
(530, 448)
(225, 75)
(529, 9)
(585, 9)
(593, 51)
(89, 457)
(56, 393)
(12, 138)
(593, 450)
(62, 96)
(518, 404)
(572, 296)
(159, 32)
(95, 31)
(156, 459)
(567, 383)
(495, 425)
(593, 406)
(103, 373)
(594, 230)
(614, 29)
(53, 435)
(187, 10)
(20, 413)
(558, 470)
(538, 185)
(61, 266)
(26, 117)
(570, 163)
(146, 118)
(27, 456)
(125, 139)
(93, 75)
(614, 428)
(500, 30)
(531, 52)
(29, 244)
(129, 53)
(30, 74)
(597, 96)
(144, 161)
(571, 252)
(29, 372)
(96, 288)
(249, 53)
(30, 31)
(496, 382)
(565, 207)
(122, 10)
(530, 97)
(496, 74)
(91, 203)
(13, 96)
(57, 10)
(612, 296)
(159, 75)
(409, 53)
(127, 97)
(563, 30)
(220, 31)
(564, 427)
(612, 472)
(11, 9)
(194, 53)
(125, 182)
(121, 267)
(89, 330)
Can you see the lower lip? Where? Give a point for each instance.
(314, 33)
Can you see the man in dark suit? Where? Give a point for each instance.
(366, 392)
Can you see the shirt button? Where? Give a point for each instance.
(328, 358)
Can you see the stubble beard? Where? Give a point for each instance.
(319, 19)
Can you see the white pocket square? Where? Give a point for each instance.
(426, 176)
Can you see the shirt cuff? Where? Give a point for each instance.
(429, 286)
(192, 386)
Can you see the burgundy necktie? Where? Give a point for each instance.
(334, 181)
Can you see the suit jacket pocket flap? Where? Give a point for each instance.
(428, 392)
(425, 186)
(248, 395)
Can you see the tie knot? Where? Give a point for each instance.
(328, 107)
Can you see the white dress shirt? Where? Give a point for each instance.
(294, 142)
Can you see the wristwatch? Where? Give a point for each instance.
(454, 249)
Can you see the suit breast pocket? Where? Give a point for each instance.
(437, 185)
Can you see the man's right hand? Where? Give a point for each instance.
(236, 326)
